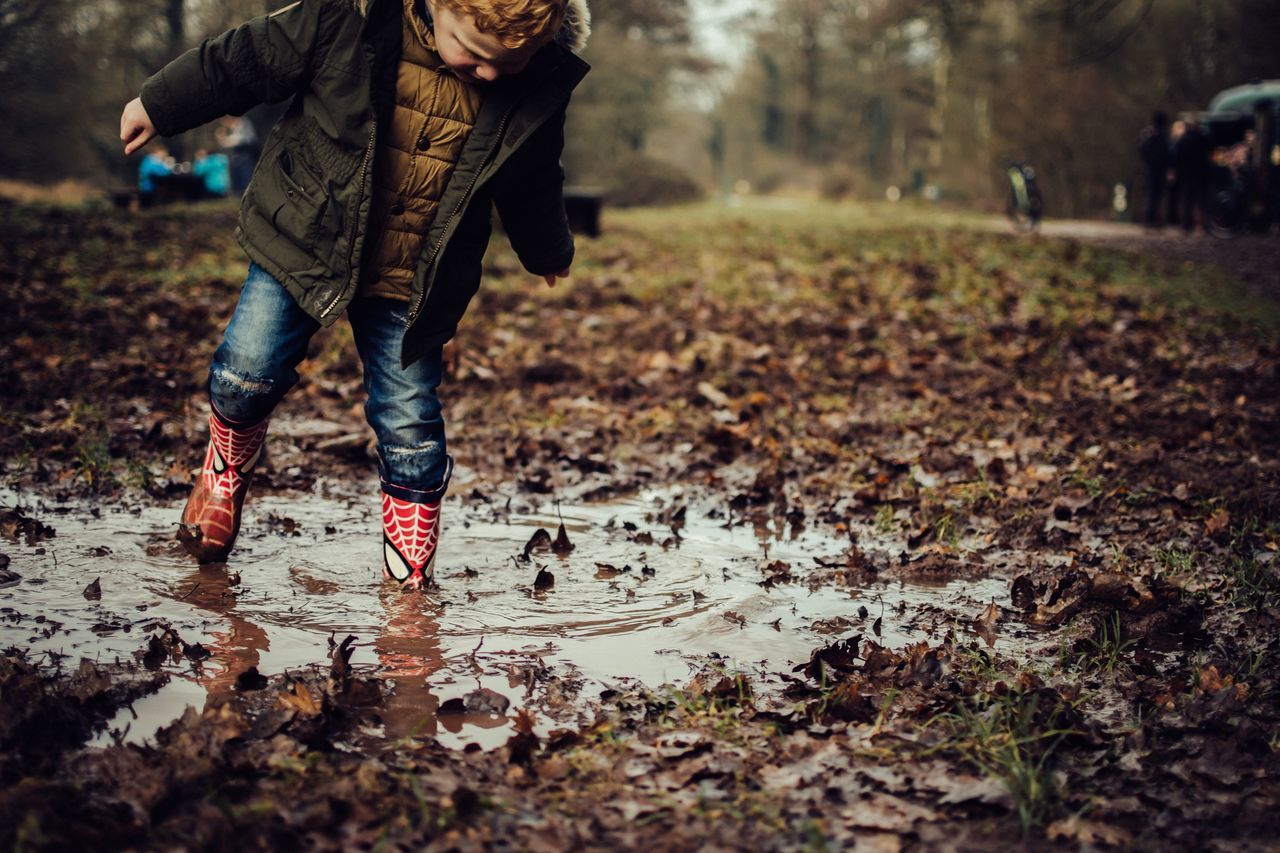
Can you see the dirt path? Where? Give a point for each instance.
(1253, 260)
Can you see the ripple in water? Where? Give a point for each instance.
(635, 601)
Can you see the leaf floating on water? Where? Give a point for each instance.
(539, 541)
(544, 580)
(196, 652)
(93, 591)
(876, 625)
(340, 668)
(736, 618)
(250, 679)
(562, 545)
(604, 571)
(479, 701)
(524, 721)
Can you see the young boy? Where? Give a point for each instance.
(372, 195)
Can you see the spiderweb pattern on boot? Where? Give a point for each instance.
(232, 454)
(411, 531)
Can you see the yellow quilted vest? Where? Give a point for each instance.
(434, 114)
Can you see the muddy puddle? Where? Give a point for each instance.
(656, 586)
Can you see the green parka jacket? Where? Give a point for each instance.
(305, 214)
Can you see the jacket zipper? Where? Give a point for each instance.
(355, 222)
(435, 250)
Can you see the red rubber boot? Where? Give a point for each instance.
(211, 519)
(410, 533)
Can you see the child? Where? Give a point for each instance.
(156, 164)
(409, 117)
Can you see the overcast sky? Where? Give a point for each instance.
(718, 25)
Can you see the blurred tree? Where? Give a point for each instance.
(947, 90)
(637, 49)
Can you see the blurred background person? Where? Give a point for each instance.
(214, 172)
(237, 136)
(1153, 149)
(155, 165)
(1173, 180)
(1191, 159)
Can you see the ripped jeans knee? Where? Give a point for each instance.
(244, 397)
(417, 472)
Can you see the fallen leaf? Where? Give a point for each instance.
(299, 699)
(562, 545)
(1217, 522)
(1087, 832)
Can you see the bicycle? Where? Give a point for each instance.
(1026, 204)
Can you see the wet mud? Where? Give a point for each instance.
(642, 600)
(883, 534)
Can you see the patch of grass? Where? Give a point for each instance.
(93, 460)
(1104, 651)
(1176, 562)
(884, 519)
(1255, 585)
(944, 530)
(1013, 739)
(1095, 486)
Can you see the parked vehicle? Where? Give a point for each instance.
(1244, 179)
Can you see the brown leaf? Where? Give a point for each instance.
(93, 592)
(299, 699)
(840, 656)
(524, 721)
(340, 660)
(562, 545)
(990, 616)
(1087, 832)
(539, 541)
(1217, 522)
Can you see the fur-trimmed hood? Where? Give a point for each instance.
(574, 30)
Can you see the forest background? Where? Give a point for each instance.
(835, 98)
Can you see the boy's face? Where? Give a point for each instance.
(474, 56)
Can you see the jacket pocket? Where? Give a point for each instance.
(300, 214)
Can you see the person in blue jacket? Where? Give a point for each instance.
(214, 172)
(156, 164)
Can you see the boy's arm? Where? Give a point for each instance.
(264, 60)
(530, 201)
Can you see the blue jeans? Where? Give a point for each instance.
(255, 366)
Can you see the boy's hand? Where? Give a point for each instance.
(551, 279)
(136, 129)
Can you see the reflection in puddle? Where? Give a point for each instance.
(646, 595)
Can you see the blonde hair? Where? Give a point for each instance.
(514, 23)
